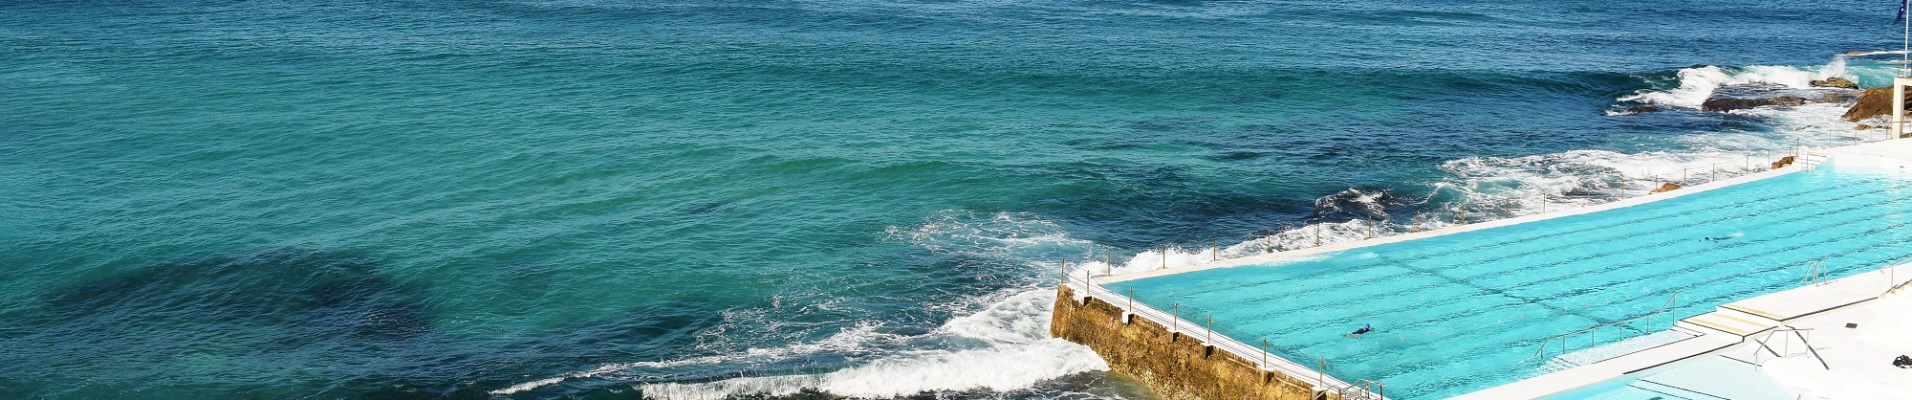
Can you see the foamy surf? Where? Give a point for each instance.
(1002, 346)
(858, 336)
(1005, 347)
(1699, 83)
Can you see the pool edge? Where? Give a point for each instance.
(1286, 255)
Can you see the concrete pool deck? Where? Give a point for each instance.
(1857, 360)
(1776, 310)
(1728, 326)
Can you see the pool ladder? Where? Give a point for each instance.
(1816, 272)
(1812, 159)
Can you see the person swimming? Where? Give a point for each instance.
(1716, 238)
(1365, 328)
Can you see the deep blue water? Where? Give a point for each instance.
(689, 199)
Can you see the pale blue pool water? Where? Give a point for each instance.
(1466, 311)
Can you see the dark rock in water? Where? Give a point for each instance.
(1642, 109)
(1739, 97)
(1371, 203)
(1873, 103)
(1729, 104)
(1783, 162)
(1842, 96)
(1667, 187)
(1835, 82)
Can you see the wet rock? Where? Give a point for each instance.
(1783, 162)
(1842, 96)
(1863, 127)
(1835, 82)
(1729, 104)
(1739, 97)
(1642, 109)
(1874, 102)
(1667, 187)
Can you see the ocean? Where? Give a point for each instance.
(787, 199)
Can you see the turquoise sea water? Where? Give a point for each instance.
(699, 199)
(1463, 312)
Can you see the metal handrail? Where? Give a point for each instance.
(1816, 272)
(1263, 360)
(1892, 276)
(1671, 304)
(1802, 340)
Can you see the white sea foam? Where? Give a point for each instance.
(1008, 349)
(1699, 83)
(1005, 345)
(1007, 236)
(860, 335)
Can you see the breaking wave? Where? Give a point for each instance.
(1005, 347)
(1695, 85)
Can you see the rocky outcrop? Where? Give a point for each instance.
(1729, 103)
(1874, 102)
(1174, 366)
(1667, 187)
(1836, 82)
(1739, 97)
(1783, 162)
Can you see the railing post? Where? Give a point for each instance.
(1108, 261)
(1264, 353)
(1131, 300)
(1216, 247)
(1175, 324)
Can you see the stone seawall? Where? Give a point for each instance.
(1174, 366)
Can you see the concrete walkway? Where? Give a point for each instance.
(1731, 326)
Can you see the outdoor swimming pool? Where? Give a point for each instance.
(1466, 311)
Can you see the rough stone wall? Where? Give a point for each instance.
(1175, 367)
